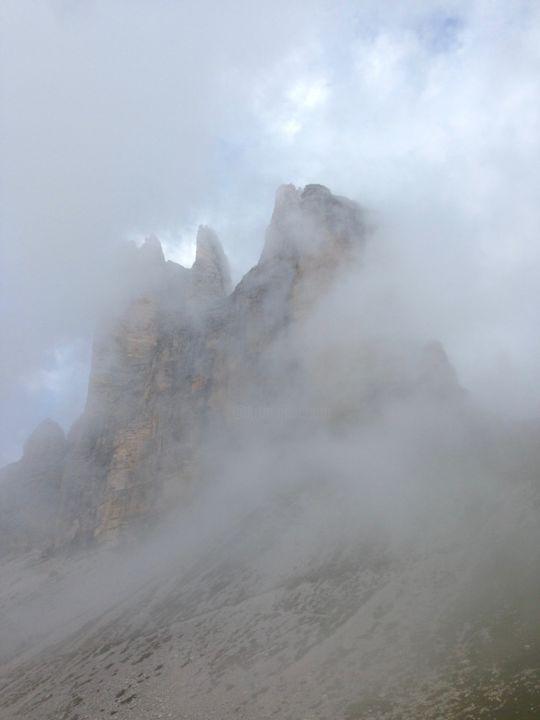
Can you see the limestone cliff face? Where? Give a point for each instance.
(133, 450)
(211, 276)
(178, 367)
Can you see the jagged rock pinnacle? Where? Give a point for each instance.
(317, 191)
(183, 353)
(152, 251)
(47, 438)
(211, 269)
(310, 222)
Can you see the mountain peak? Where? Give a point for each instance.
(316, 190)
(47, 437)
(152, 251)
(211, 267)
(310, 222)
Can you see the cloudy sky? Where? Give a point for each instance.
(123, 117)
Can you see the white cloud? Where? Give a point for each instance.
(143, 117)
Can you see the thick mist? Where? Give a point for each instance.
(344, 443)
(349, 440)
(126, 120)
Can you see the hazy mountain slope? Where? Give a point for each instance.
(175, 359)
(275, 619)
(272, 506)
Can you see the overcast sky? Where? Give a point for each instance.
(120, 118)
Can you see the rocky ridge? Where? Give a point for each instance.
(175, 360)
(340, 535)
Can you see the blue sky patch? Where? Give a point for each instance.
(441, 33)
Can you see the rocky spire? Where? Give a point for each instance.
(47, 439)
(211, 274)
(30, 491)
(151, 251)
(311, 222)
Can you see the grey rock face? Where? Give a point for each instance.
(210, 270)
(367, 547)
(47, 440)
(132, 450)
(151, 251)
(30, 491)
(312, 223)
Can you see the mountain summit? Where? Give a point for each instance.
(161, 372)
